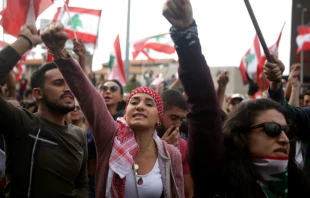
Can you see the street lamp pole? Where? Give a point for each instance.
(127, 61)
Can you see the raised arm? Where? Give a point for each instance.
(176, 84)
(206, 150)
(80, 50)
(92, 104)
(9, 56)
(10, 81)
(300, 116)
(295, 85)
(222, 81)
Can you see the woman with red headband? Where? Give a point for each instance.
(132, 161)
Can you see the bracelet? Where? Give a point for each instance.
(28, 39)
(186, 36)
(58, 52)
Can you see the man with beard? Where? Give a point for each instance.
(46, 156)
(175, 110)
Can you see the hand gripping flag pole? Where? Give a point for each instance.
(67, 10)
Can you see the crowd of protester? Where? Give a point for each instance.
(71, 135)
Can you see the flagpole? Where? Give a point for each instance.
(127, 61)
(258, 31)
(67, 9)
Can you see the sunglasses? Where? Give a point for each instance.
(77, 108)
(105, 88)
(273, 129)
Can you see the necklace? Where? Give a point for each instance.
(136, 167)
(147, 147)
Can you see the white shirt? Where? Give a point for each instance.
(299, 156)
(152, 186)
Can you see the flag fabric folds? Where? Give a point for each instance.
(274, 49)
(84, 21)
(159, 43)
(17, 13)
(157, 81)
(116, 66)
(250, 60)
(303, 39)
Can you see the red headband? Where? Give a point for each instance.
(153, 94)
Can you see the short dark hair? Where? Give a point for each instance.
(118, 83)
(307, 93)
(173, 98)
(27, 92)
(38, 77)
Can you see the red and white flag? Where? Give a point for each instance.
(116, 66)
(303, 39)
(159, 43)
(274, 49)
(19, 12)
(250, 60)
(3, 44)
(59, 14)
(84, 21)
(49, 57)
(158, 80)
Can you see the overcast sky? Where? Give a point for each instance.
(225, 29)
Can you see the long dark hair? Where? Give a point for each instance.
(240, 176)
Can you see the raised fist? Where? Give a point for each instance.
(179, 13)
(54, 37)
(223, 79)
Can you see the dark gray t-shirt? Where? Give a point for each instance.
(59, 167)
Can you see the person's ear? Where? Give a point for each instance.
(37, 93)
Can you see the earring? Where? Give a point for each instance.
(158, 124)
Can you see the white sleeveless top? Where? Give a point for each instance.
(152, 186)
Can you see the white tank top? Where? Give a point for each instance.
(152, 186)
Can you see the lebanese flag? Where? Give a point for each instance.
(160, 43)
(49, 57)
(157, 81)
(19, 12)
(84, 21)
(250, 61)
(3, 44)
(303, 39)
(116, 66)
(274, 49)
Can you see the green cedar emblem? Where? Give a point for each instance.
(111, 62)
(249, 58)
(76, 22)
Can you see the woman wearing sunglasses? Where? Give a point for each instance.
(257, 142)
(249, 157)
(112, 92)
